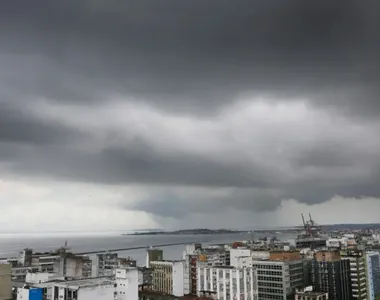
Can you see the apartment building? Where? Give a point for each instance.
(358, 272)
(279, 275)
(331, 274)
(227, 283)
(153, 255)
(105, 264)
(73, 266)
(168, 277)
(197, 256)
(127, 283)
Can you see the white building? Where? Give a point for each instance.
(227, 283)
(168, 277)
(39, 277)
(85, 289)
(237, 253)
(127, 284)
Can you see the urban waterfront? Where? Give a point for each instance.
(12, 244)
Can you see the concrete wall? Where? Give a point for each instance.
(74, 267)
(22, 294)
(102, 292)
(38, 277)
(244, 262)
(236, 253)
(5, 281)
(178, 278)
(127, 284)
(29, 294)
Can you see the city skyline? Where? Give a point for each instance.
(136, 115)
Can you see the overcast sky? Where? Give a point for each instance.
(175, 114)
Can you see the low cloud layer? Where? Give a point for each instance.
(201, 108)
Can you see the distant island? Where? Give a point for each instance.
(188, 232)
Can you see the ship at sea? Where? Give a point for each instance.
(312, 237)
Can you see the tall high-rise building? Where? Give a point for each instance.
(279, 275)
(358, 272)
(331, 274)
(168, 277)
(372, 260)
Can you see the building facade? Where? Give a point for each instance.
(127, 284)
(5, 281)
(358, 272)
(85, 289)
(227, 283)
(168, 277)
(331, 274)
(278, 279)
(372, 260)
(73, 266)
(105, 264)
(153, 255)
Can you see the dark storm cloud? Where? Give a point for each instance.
(174, 206)
(17, 125)
(195, 57)
(138, 163)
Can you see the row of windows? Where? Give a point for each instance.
(271, 284)
(263, 296)
(268, 267)
(272, 291)
(269, 273)
(269, 278)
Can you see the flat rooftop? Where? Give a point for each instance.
(90, 282)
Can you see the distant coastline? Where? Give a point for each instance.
(188, 232)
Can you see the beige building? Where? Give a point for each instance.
(5, 281)
(168, 277)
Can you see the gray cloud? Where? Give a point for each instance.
(182, 54)
(195, 59)
(19, 126)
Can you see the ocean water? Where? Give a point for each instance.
(12, 244)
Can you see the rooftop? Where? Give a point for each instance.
(90, 282)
